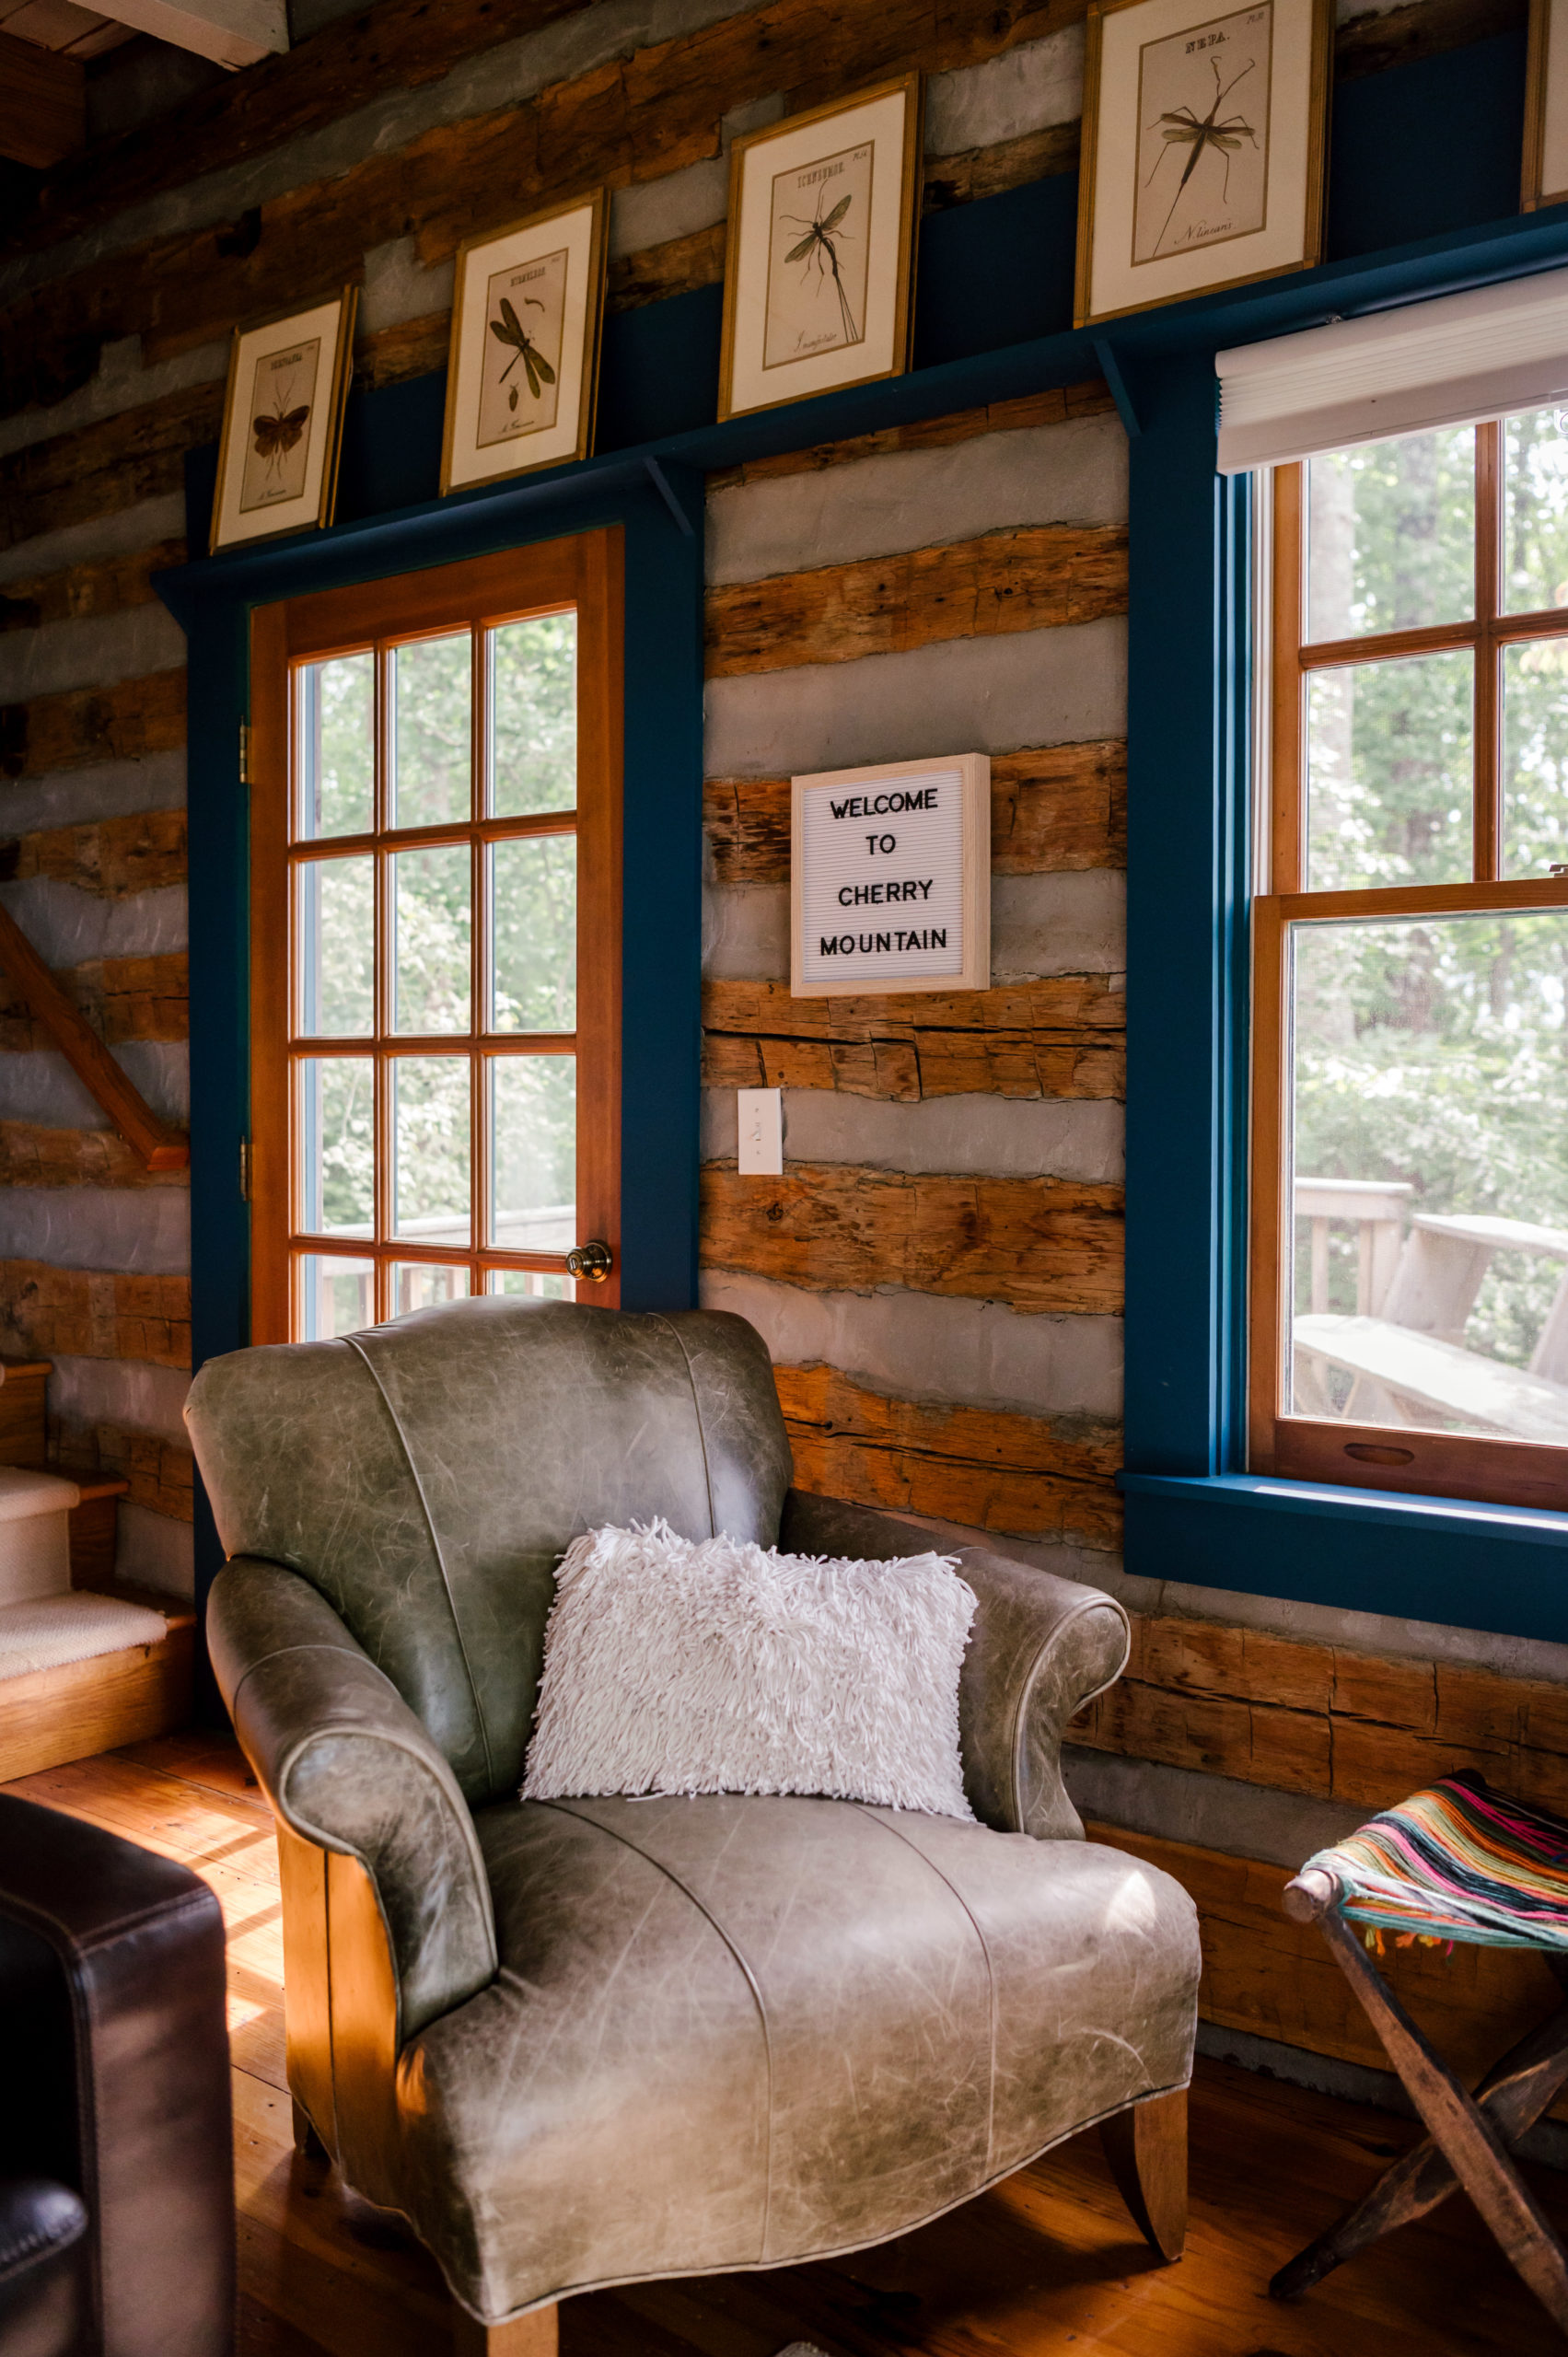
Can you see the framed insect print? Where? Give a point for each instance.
(1545, 107)
(283, 422)
(522, 380)
(1204, 136)
(819, 272)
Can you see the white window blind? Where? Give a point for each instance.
(1487, 354)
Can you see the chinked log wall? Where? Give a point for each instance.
(927, 1362)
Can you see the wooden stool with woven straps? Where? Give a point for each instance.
(1459, 1862)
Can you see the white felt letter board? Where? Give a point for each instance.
(890, 878)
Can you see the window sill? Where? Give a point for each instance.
(1449, 1559)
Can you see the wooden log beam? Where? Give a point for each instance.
(101, 469)
(160, 1146)
(1060, 809)
(43, 106)
(158, 1473)
(1061, 1036)
(1088, 399)
(1012, 163)
(115, 857)
(84, 1313)
(1039, 576)
(34, 1155)
(1037, 1244)
(1032, 1476)
(81, 725)
(119, 998)
(86, 591)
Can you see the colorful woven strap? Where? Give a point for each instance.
(1459, 1862)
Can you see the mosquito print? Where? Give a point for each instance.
(509, 329)
(818, 252)
(279, 433)
(1179, 126)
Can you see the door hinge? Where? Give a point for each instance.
(244, 753)
(245, 1170)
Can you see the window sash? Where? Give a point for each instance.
(1280, 1442)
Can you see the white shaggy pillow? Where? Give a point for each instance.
(677, 1666)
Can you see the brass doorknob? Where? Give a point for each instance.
(591, 1262)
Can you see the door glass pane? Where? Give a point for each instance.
(1535, 512)
(1429, 1103)
(533, 716)
(432, 891)
(333, 1296)
(432, 760)
(431, 1185)
(531, 1284)
(533, 1147)
(335, 947)
(1390, 535)
(335, 746)
(417, 1285)
(1535, 756)
(335, 1130)
(533, 931)
(1389, 773)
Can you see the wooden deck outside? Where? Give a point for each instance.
(1046, 2263)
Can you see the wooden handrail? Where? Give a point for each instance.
(160, 1146)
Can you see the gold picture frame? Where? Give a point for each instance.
(890, 879)
(289, 374)
(805, 312)
(500, 422)
(1161, 159)
(1544, 176)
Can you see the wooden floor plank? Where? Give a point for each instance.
(1046, 2262)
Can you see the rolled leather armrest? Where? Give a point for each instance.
(1039, 1649)
(347, 1764)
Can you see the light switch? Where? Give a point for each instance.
(762, 1132)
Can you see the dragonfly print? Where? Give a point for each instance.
(818, 252)
(278, 433)
(509, 329)
(1179, 127)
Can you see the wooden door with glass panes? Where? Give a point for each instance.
(435, 939)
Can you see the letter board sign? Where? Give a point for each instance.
(890, 878)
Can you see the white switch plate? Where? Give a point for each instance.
(762, 1132)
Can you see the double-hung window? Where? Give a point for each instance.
(1410, 1192)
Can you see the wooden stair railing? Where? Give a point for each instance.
(160, 1146)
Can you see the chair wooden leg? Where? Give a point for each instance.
(1513, 2093)
(1146, 2149)
(305, 2140)
(1467, 2135)
(534, 2334)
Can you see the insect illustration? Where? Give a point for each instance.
(509, 329)
(278, 435)
(819, 250)
(1181, 128)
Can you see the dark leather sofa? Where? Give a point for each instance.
(582, 2042)
(116, 2155)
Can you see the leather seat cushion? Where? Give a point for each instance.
(737, 2032)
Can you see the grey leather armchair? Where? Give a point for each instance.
(581, 2042)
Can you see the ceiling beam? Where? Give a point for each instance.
(231, 33)
(42, 103)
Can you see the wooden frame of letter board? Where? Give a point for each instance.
(974, 974)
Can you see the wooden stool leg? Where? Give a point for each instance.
(534, 2334)
(1480, 2160)
(1513, 2093)
(1146, 2149)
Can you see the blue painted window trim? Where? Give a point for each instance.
(1187, 720)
